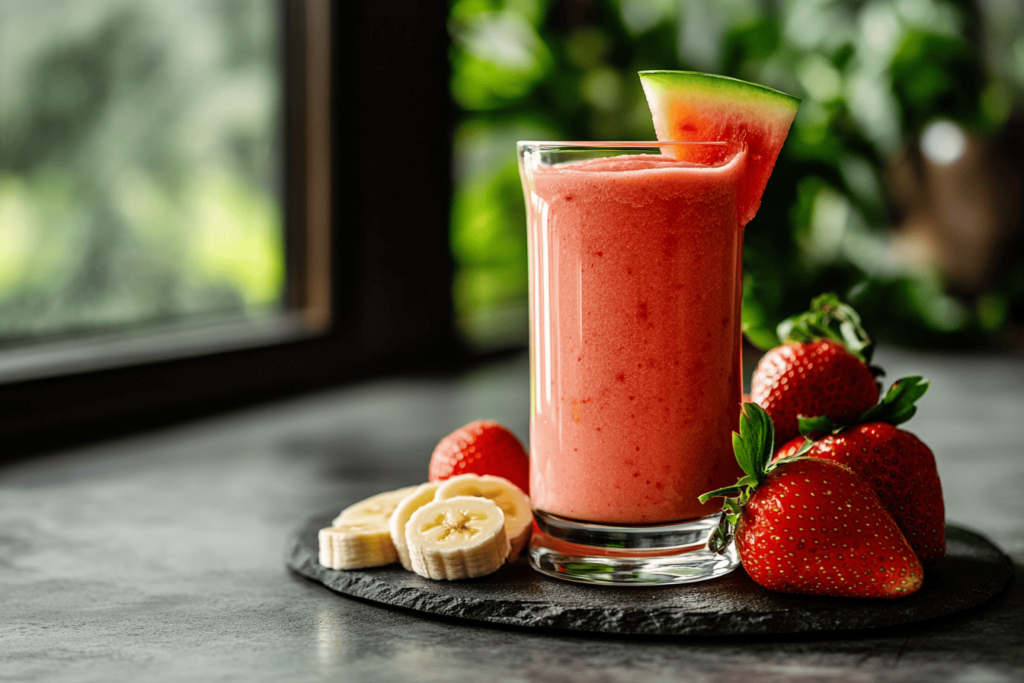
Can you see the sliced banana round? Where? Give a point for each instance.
(360, 537)
(458, 538)
(381, 505)
(513, 503)
(357, 544)
(420, 496)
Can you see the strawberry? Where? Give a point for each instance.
(481, 447)
(791, 448)
(817, 370)
(805, 525)
(895, 463)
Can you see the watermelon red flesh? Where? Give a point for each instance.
(695, 107)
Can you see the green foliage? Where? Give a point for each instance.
(136, 164)
(896, 407)
(898, 404)
(937, 73)
(486, 221)
(753, 445)
(871, 75)
(828, 318)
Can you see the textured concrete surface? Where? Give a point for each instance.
(161, 557)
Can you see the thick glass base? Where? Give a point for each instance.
(657, 555)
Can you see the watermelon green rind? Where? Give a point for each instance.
(691, 106)
(732, 88)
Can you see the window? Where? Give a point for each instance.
(338, 259)
(134, 191)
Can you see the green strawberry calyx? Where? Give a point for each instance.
(753, 446)
(896, 407)
(831, 319)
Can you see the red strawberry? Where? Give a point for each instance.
(819, 371)
(816, 378)
(790, 448)
(805, 525)
(481, 447)
(895, 463)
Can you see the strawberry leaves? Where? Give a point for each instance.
(898, 404)
(753, 444)
(896, 407)
(827, 314)
(822, 424)
(753, 447)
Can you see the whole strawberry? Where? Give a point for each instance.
(895, 463)
(481, 447)
(817, 370)
(811, 526)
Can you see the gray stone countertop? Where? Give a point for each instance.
(160, 557)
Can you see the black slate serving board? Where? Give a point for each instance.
(973, 571)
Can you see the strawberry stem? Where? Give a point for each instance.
(828, 312)
(753, 447)
(896, 407)
(814, 425)
(898, 404)
(753, 444)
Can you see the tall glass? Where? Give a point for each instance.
(635, 389)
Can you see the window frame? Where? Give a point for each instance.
(369, 277)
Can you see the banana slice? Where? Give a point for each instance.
(458, 538)
(360, 537)
(506, 495)
(358, 544)
(422, 495)
(381, 505)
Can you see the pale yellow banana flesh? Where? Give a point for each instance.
(457, 538)
(420, 496)
(359, 537)
(381, 505)
(375, 531)
(514, 504)
(356, 545)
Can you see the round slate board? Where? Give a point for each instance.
(973, 572)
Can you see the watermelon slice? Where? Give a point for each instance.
(688, 106)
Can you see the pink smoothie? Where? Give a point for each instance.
(634, 294)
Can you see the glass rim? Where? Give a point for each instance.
(621, 143)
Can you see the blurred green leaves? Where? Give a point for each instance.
(498, 57)
(872, 76)
(137, 164)
(934, 73)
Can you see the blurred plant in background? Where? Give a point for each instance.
(137, 163)
(899, 186)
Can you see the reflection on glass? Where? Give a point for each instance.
(138, 163)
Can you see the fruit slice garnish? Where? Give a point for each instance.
(696, 107)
